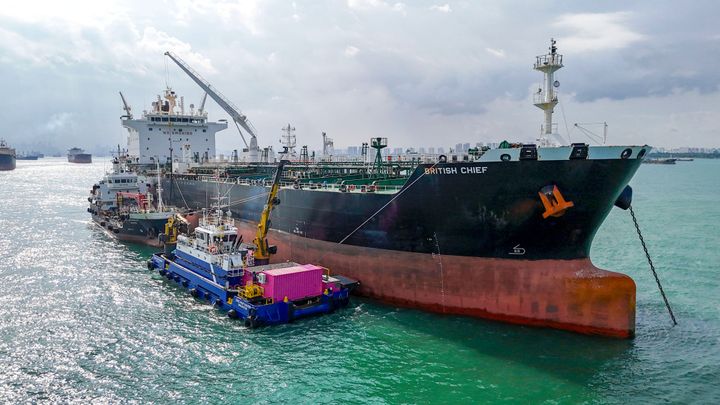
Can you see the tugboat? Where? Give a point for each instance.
(77, 155)
(215, 265)
(7, 156)
(118, 205)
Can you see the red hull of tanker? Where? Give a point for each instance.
(572, 295)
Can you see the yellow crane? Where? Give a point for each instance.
(263, 251)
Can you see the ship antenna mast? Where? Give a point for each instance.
(159, 187)
(289, 140)
(546, 98)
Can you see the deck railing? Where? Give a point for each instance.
(350, 188)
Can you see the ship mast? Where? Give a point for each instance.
(289, 141)
(546, 98)
(159, 187)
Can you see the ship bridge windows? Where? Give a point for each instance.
(229, 238)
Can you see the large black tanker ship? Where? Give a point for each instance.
(501, 233)
(507, 239)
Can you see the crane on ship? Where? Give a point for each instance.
(238, 117)
(202, 103)
(126, 107)
(263, 251)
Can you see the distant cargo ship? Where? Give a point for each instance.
(77, 155)
(7, 156)
(661, 161)
(27, 156)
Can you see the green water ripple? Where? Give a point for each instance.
(82, 320)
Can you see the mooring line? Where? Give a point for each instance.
(246, 199)
(181, 195)
(652, 267)
(385, 205)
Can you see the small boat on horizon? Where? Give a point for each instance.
(27, 156)
(77, 155)
(660, 161)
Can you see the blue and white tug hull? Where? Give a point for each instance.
(193, 275)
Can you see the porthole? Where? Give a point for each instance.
(641, 154)
(505, 157)
(626, 153)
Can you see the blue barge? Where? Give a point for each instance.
(215, 266)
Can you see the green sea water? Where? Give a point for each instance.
(81, 319)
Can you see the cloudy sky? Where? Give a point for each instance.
(422, 73)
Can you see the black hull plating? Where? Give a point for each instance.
(134, 230)
(80, 158)
(7, 162)
(460, 209)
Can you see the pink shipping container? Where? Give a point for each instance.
(293, 282)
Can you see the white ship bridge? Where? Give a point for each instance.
(170, 132)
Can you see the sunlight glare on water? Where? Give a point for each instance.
(82, 319)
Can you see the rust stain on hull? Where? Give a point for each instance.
(571, 295)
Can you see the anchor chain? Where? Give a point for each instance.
(652, 267)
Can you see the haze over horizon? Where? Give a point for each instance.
(425, 73)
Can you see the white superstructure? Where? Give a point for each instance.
(168, 132)
(118, 180)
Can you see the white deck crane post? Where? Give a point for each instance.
(126, 107)
(238, 117)
(202, 104)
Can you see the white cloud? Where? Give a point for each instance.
(445, 8)
(59, 122)
(365, 5)
(351, 51)
(596, 31)
(246, 13)
(80, 13)
(155, 43)
(496, 52)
